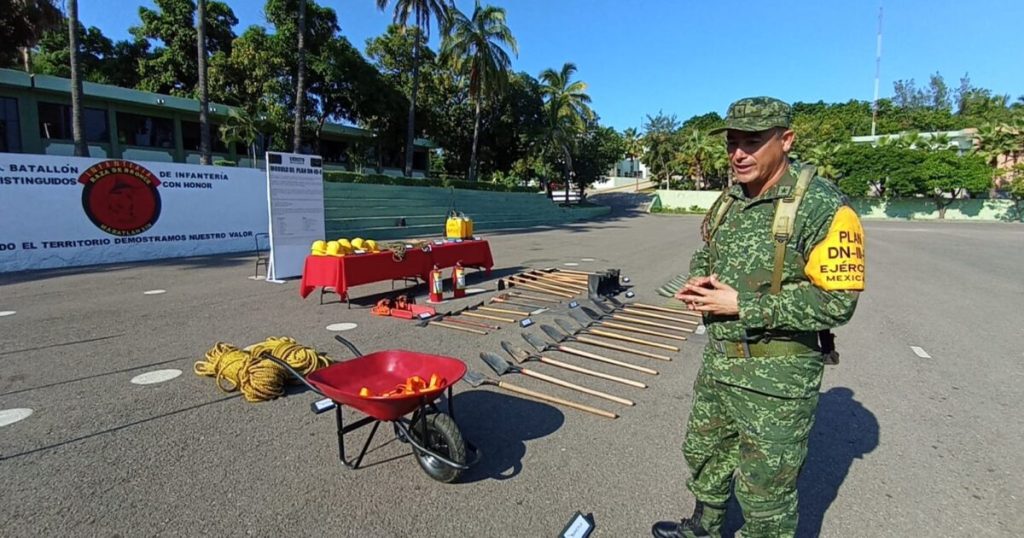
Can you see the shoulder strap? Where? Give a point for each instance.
(782, 225)
(710, 225)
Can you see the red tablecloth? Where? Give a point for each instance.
(342, 273)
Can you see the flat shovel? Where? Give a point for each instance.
(521, 356)
(569, 328)
(502, 367)
(476, 379)
(638, 321)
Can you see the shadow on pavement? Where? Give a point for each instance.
(494, 423)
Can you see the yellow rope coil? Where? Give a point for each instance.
(258, 379)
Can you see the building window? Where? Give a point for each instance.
(10, 127)
(55, 123)
(190, 137)
(146, 131)
(334, 151)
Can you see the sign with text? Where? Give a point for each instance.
(295, 199)
(60, 211)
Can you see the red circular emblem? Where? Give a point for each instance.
(120, 197)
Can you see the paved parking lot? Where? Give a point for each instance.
(918, 432)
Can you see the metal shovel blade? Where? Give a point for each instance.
(475, 379)
(603, 307)
(498, 364)
(520, 355)
(566, 326)
(581, 317)
(554, 333)
(537, 343)
(591, 312)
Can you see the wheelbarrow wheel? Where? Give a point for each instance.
(444, 438)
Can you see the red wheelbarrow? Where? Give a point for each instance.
(436, 440)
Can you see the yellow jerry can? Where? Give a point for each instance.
(458, 226)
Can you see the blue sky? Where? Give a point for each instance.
(689, 57)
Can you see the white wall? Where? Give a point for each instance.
(194, 210)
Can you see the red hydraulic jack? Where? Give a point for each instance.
(436, 287)
(458, 280)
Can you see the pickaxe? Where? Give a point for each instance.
(540, 345)
(511, 281)
(505, 299)
(521, 356)
(502, 367)
(466, 312)
(476, 379)
(553, 281)
(501, 302)
(574, 334)
(544, 283)
(581, 316)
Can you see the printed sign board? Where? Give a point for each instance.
(295, 198)
(60, 211)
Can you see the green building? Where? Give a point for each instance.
(35, 117)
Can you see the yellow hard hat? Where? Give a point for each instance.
(333, 248)
(318, 247)
(357, 243)
(344, 243)
(371, 245)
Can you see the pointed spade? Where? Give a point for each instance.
(502, 367)
(521, 356)
(555, 334)
(569, 328)
(476, 379)
(540, 345)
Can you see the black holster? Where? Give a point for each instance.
(827, 341)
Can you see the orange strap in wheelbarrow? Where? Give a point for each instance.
(412, 385)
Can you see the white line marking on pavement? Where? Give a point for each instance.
(341, 326)
(920, 352)
(7, 313)
(472, 291)
(570, 264)
(154, 292)
(10, 416)
(587, 259)
(156, 376)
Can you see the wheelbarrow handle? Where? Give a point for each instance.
(349, 345)
(266, 355)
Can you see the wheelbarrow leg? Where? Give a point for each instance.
(451, 403)
(342, 430)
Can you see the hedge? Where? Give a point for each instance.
(380, 179)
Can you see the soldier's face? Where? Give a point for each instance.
(758, 156)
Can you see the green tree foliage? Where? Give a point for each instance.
(473, 47)
(172, 67)
(22, 24)
(598, 149)
(101, 60)
(567, 110)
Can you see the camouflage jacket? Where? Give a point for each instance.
(741, 252)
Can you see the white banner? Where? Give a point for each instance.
(295, 195)
(70, 211)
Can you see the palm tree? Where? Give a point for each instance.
(300, 81)
(698, 151)
(567, 106)
(634, 148)
(77, 128)
(823, 157)
(204, 98)
(474, 48)
(422, 12)
(241, 126)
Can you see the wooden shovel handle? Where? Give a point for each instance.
(543, 284)
(631, 328)
(575, 279)
(646, 314)
(624, 338)
(485, 316)
(573, 386)
(502, 310)
(555, 400)
(601, 343)
(572, 272)
(669, 310)
(535, 298)
(457, 327)
(602, 375)
(556, 281)
(520, 283)
(650, 323)
(601, 358)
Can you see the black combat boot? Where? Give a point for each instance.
(689, 527)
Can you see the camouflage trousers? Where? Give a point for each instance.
(760, 441)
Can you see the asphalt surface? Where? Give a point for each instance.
(902, 446)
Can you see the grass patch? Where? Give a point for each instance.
(692, 210)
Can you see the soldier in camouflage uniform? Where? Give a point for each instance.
(764, 306)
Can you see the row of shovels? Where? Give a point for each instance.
(589, 323)
(550, 282)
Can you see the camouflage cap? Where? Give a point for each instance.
(756, 114)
